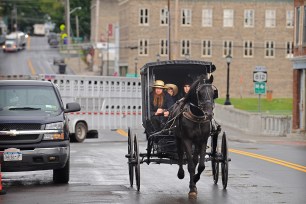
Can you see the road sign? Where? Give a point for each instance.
(260, 87)
(62, 27)
(260, 68)
(259, 76)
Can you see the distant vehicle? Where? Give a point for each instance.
(51, 36)
(39, 29)
(14, 42)
(53, 43)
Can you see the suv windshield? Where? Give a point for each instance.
(29, 98)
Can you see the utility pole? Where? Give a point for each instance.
(107, 62)
(68, 20)
(175, 45)
(77, 25)
(169, 33)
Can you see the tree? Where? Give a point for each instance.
(30, 12)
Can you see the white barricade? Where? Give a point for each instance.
(106, 102)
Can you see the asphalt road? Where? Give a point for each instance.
(99, 174)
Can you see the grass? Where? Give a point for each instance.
(278, 106)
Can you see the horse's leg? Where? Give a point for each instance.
(196, 155)
(191, 168)
(180, 152)
(201, 166)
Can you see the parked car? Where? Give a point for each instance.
(34, 132)
(52, 35)
(53, 43)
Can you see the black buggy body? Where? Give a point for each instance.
(161, 144)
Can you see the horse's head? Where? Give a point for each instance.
(202, 95)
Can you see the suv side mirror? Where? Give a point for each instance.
(72, 107)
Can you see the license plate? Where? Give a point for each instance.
(12, 154)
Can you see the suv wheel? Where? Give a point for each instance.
(62, 175)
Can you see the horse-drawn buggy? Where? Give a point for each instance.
(184, 133)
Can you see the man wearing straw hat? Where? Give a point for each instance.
(160, 103)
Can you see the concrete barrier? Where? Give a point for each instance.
(253, 123)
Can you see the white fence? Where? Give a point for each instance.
(253, 123)
(106, 102)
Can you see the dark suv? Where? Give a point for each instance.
(34, 133)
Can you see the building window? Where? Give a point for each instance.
(304, 27)
(270, 18)
(248, 18)
(207, 15)
(289, 49)
(163, 47)
(227, 48)
(164, 16)
(248, 48)
(289, 19)
(186, 16)
(297, 27)
(143, 47)
(269, 48)
(206, 48)
(185, 48)
(144, 17)
(228, 18)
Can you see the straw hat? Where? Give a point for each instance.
(159, 84)
(173, 87)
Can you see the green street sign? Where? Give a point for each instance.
(260, 87)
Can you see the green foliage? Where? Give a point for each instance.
(276, 106)
(31, 12)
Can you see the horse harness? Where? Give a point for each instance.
(207, 117)
(197, 119)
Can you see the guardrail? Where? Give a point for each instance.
(253, 123)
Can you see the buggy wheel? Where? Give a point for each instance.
(130, 159)
(214, 159)
(137, 162)
(224, 164)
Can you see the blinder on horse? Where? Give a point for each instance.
(205, 94)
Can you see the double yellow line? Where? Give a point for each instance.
(122, 132)
(257, 156)
(271, 159)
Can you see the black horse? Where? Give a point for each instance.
(193, 115)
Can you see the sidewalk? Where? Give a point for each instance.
(79, 67)
(237, 135)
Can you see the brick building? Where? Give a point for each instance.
(253, 32)
(299, 67)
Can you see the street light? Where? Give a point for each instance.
(136, 60)
(157, 57)
(228, 61)
(68, 20)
